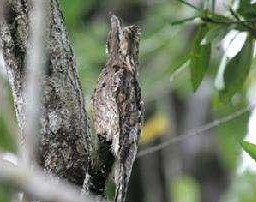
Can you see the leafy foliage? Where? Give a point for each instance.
(164, 49)
(212, 29)
(247, 10)
(200, 57)
(237, 69)
(249, 148)
(216, 33)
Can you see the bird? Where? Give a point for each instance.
(117, 107)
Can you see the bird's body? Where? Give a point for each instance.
(116, 104)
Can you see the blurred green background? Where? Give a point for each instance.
(202, 168)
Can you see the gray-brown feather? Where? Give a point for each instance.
(116, 102)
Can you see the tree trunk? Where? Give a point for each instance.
(65, 146)
(64, 140)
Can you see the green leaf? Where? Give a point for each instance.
(200, 57)
(216, 17)
(237, 70)
(249, 148)
(217, 33)
(181, 22)
(178, 63)
(209, 16)
(246, 9)
(189, 4)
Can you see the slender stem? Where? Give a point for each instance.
(39, 185)
(210, 20)
(33, 89)
(189, 4)
(242, 23)
(195, 132)
(184, 20)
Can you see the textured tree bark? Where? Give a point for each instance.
(64, 142)
(65, 146)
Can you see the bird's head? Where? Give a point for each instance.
(123, 40)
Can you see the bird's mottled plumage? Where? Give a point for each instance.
(116, 103)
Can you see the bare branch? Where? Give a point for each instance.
(40, 186)
(195, 132)
(189, 4)
(35, 66)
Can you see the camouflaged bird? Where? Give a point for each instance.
(116, 107)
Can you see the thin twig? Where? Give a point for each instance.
(189, 4)
(242, 23)
(34, 77)
(210, 20)
(194, 132)
(233, 13)
(40, 186)
(177, 22)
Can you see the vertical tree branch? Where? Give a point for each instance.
(64, 141)
(35, 66)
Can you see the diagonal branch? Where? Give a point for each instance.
(38, 185)
(193, 133)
